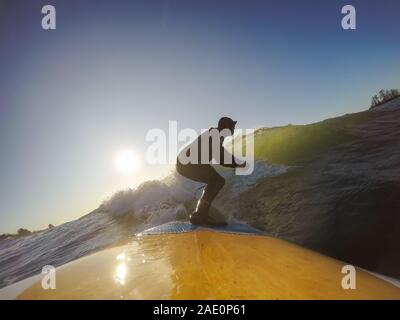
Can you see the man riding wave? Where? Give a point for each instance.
(194, 163)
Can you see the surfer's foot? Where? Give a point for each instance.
(201, 217)
(206, 220)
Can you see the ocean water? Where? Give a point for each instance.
(117, 220)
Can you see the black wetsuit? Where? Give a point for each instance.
(204, 172)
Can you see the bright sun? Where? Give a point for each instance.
(127, 162)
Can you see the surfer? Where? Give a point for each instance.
(195, 164)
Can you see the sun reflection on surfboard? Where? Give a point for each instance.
(121, 270)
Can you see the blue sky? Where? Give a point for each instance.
(71, 98)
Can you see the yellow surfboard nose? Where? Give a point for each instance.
(198, 263)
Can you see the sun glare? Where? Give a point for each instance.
(127, 162)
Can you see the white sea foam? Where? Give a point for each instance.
(151, 200)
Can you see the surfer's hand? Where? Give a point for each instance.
(241, 165)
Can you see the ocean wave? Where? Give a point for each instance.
(124, 214)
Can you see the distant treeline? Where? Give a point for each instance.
(384, 96)
(21, 233)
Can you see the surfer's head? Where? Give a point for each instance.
(226, 123)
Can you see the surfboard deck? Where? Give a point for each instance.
(182, 261)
